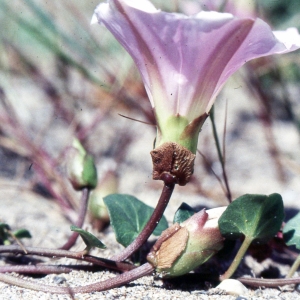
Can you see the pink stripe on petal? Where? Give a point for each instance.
(185, 61)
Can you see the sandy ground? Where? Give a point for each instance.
(48, 228)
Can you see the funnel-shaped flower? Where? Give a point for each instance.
(183, 247)
(185, 60)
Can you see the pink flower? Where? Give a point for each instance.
(184, 61)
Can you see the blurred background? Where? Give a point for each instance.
(62, 78)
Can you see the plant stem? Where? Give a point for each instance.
(36, 269)
(82, 213)
(48, 269)
(119, 280)
(42, 161)
(152, 223)
(16, 240)
(53, 253)
(269, 282)
(294, 267)
(238, 258)
(221, 157)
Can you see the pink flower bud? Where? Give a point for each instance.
(183, 247)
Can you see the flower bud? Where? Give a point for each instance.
(183, 247)
(81, 168)
(107, 185)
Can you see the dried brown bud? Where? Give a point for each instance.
(168, 247)
(173, 159)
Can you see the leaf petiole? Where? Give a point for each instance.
(238, 258)
(152, 223)
(294, 267)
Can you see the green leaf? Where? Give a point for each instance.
(89, 239)
(22, 233)
(291, 232)
(183, 213)
(49, 24)
(257, 217)
(3, 231)
(128, 216)
(4, 227)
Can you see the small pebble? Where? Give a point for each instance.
(233, 287)
(59, 279)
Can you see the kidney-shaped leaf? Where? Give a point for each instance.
(291, 232)
(128, 217)
(257, 217)
(183, 213)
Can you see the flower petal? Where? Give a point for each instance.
(290, 38)
(184, 61)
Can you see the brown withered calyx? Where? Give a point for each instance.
(174, 159)
(168, 247)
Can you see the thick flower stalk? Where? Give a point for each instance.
(184, 61)
(183, 247)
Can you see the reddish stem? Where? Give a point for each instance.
(82, 212)
(36, 269)
(257, 282)
(153, 221)
(53, 253)
(116, 281)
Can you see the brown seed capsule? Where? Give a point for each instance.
(174, 159)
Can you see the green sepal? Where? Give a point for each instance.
(89, 174)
